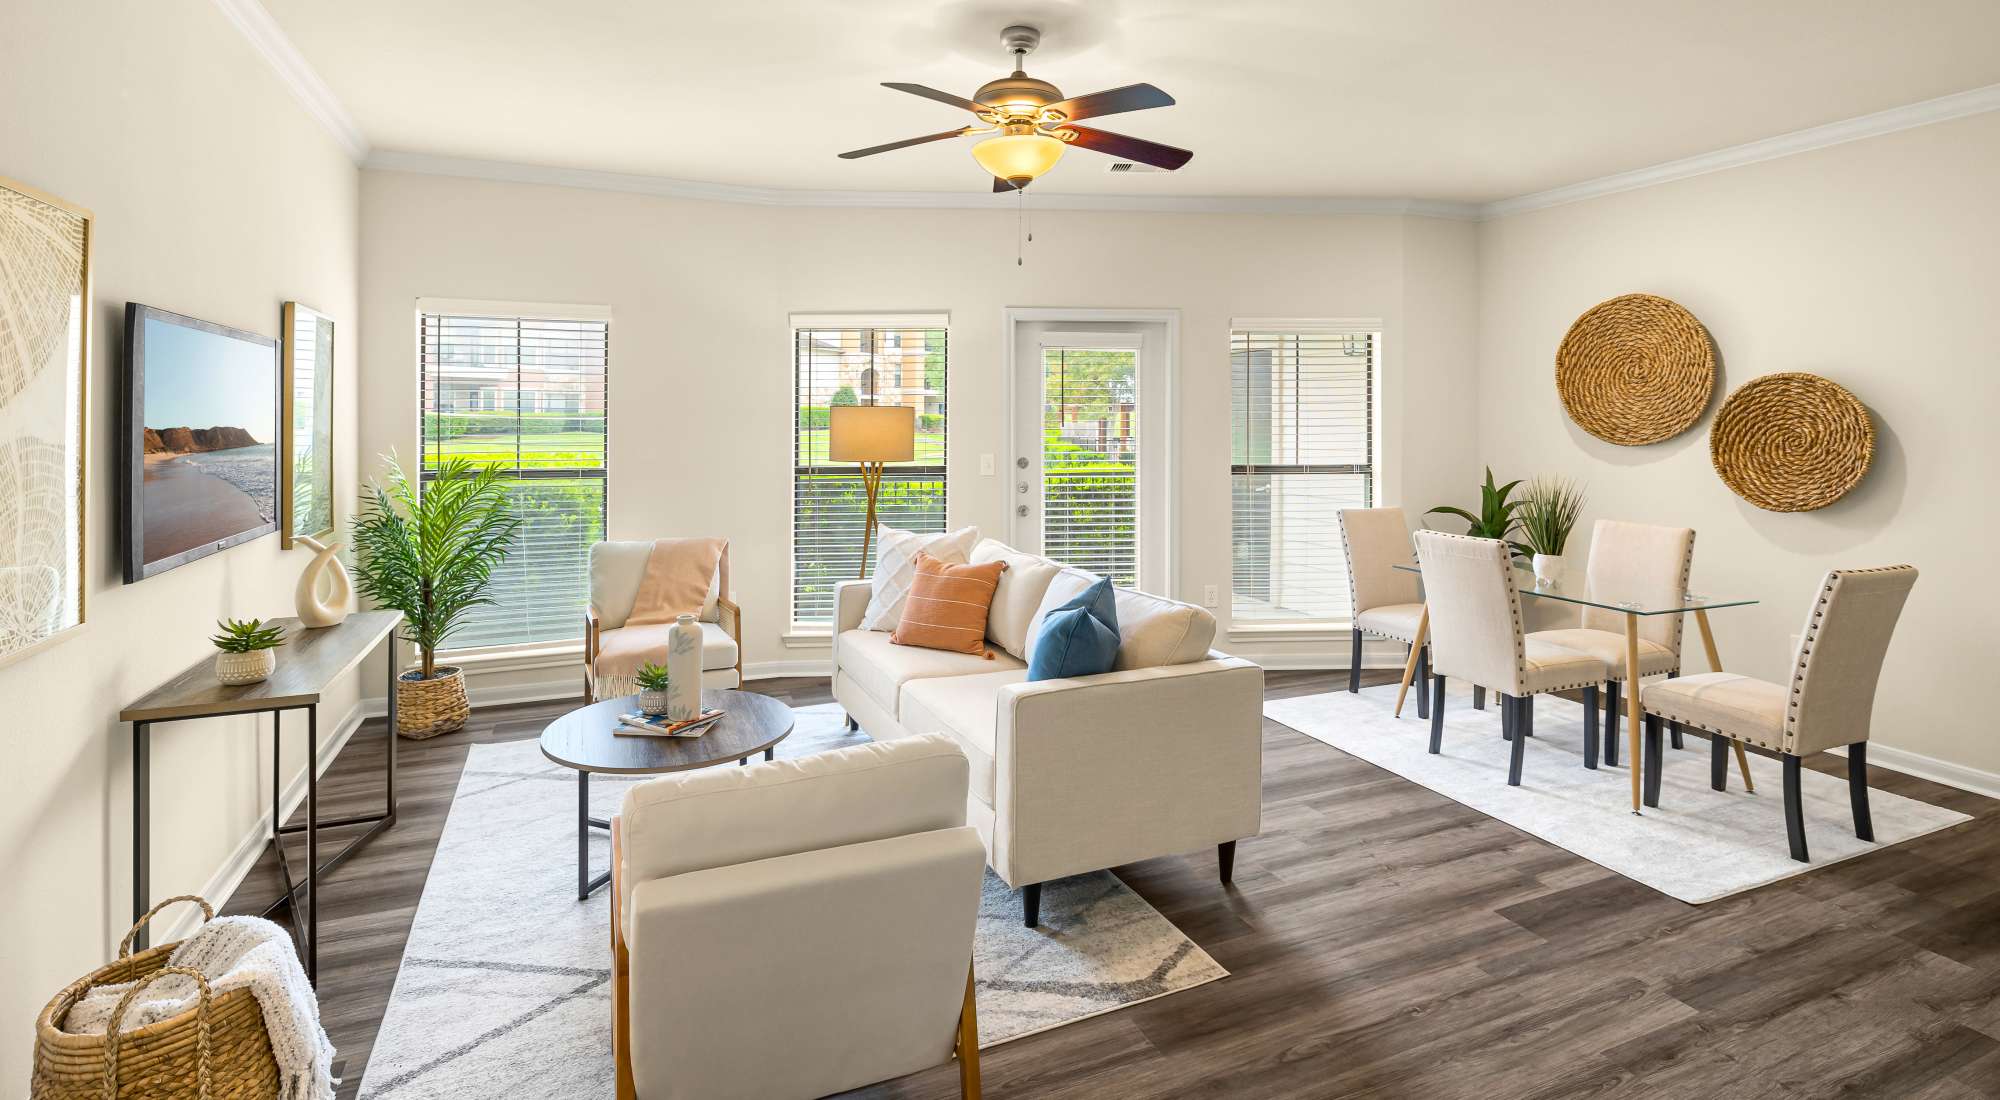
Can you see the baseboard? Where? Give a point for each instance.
(766, 670)
(1931, 768)
(222, 885)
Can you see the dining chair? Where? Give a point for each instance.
(1829, 702)
(1476, 635)
(1644, 564)
(1387, 602)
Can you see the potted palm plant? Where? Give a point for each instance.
(430, 553)
(249, 650)
(1496, 518)
(1549, 510)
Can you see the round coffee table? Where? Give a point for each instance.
(582, 739)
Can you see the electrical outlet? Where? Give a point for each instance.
(1211, 595)
(985, 465)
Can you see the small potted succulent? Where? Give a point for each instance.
(652, 680)
(249, 650)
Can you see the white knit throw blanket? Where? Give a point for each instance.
(232, 953)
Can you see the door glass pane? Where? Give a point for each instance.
(1090, 460)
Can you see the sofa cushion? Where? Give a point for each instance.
(1019, 596)
(1152, 630)
(896, 568)
(948, 604)
(967, 708)
(1080, 638)
(880, 667)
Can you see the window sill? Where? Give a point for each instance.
(1289, 632)
(808, 639)
(515, 658)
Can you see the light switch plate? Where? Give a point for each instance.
(985, 465)
(1211, 595)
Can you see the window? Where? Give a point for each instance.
(524, 387)
(856, 361)
(1302, 401)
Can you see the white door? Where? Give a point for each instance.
(1089, 472)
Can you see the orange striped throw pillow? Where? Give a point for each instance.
(947, 606)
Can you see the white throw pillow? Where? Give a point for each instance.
(896, 568)
(1022, 585)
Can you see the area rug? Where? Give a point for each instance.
(1698, 845)
(505, 986)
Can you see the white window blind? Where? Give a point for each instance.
(836, 361)
(1302, 449)
(1090, 460)
(529, 393)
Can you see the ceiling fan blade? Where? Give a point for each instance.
(1001, 187)
(905, 143)
(1113, 101)
(941, 97)
(1131, 148)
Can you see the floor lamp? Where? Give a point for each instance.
(871, 435)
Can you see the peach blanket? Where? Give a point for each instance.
(679, 573)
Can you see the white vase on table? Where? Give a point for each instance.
(317, 609)
(683, 669)
(1548, 570)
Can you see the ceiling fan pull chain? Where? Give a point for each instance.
(1020, 222)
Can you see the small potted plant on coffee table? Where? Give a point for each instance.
(652, 680)
(249, 650)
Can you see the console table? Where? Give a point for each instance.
(310, 660)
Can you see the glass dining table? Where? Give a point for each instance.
(1573, 589)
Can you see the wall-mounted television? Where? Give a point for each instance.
(198, 439)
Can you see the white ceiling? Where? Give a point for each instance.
(1456, 100)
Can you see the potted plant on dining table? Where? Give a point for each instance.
(429, 552)
(1549, 510)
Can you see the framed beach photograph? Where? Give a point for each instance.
(305, 439)
(200, 439)
(44, 381)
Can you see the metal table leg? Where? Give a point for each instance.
(142, 826)
(585, 884)
(312, 844)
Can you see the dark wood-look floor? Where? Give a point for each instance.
(1385, 941)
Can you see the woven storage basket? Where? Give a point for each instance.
(1791, 442)
(217, 1051)
(427, 708)
(1636, 369)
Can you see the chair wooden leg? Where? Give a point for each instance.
(1795, 810)
(967, 1044)
(1516, 757)
(1590, 727)
(1524, 723)
(1424, 681)
(1654, 758)
(1718, 761)
(1857, 790)
(1674, 732)
(1612, 709)
(621, 978)
(1031, 904)
(852, 725)
(1437, 715)
(1225, 860)
(1354, 672)
(1478, 698)
(1506, 715)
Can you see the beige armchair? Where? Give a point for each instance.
(1386, 601)
(616, 569)
(1640, 563)
(1476, 636)
(1830, 701)
(796, 928)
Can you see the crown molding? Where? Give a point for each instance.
(269, 39)
(468, 168)
(1909, 116)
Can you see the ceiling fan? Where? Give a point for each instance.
(1032, 123)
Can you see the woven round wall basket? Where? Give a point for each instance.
(1791, 442)
(1636, 369)
(427, 708)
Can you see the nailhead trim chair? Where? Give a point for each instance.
(1476, 635)
(1829, 703)
(1387, 601)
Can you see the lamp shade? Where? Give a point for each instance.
(871, 433)
(1018, 158)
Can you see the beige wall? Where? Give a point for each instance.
(701, 293)
(1869, 263)
(216, 196)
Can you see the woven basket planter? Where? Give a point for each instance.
(427, 708)
(1635, 370)
(216, 1051)
(1791, 442)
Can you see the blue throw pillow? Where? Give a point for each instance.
(1080, 638)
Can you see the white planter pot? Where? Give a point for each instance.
(653, 702)
(245, 668)
(1548, 570)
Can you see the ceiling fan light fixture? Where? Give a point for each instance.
(1018, 158)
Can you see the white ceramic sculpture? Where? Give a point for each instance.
(683, 670)
(330, 609)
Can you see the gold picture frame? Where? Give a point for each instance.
(45, 308)
(305, 395)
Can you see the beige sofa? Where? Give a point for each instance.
(1162, 755)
